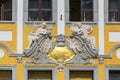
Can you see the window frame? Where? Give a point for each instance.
(95, 14)
(106, 14)
(14, 13)
(82, 68)
(12, 68)
(108, 68)
(41, 68)
(54, 14)
(40, 9)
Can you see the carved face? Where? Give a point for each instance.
(89, 29)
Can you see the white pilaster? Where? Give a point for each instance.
(19, 26)
(61, 16)
(101, 26)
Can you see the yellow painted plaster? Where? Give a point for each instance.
(12, 61)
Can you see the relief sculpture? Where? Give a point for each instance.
(78, 49)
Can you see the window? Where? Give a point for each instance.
(39, 75)
(81, 10)
(6, 10)
(5, 75)
(40, 10)
(114, 75)
(81, 75)
(114, 10)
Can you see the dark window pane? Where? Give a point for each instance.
(5, 75)
(39, 75)
(8, 15)
(114, 75)
(113, 4)
(81, 10)
(114, 10)
(46, 15)
(87, 15)
(6, 10)
(8, 4)
(33, 4)
(75, 7)
(46, 4)
(87, 4)
(114, 16)
(34, 16)
(40, 10)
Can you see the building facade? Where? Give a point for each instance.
(59, 40)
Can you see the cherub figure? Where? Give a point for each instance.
(42, 30)
(84, 30)
(74, 46)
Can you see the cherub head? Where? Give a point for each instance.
(43, 25)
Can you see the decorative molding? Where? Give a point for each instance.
(1, 53)
(19, 59)
(60, 41)
(82, 44)
(118, 53)
(40, 58)
(6, 47)
(102, 57)
(60, 66)
(79, 42)
(80, 59)
(40, 45)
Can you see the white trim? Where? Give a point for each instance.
(61, 16)
(95, 11)
(7, 35)
(101, 27)
(113, 36)
(14, 11)
(19, 26)
(67, 10)
(54, 12)
(106, 7)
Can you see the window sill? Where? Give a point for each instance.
(112, 22)
(39, 22)
(7, 22)
(89, 23)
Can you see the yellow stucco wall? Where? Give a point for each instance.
(110, 28)
(12, 61)
(10, 27)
